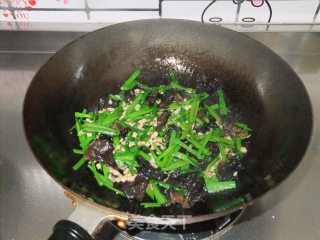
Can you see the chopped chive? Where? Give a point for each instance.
(242, 125)
(172, 75)
(182, 191)
(142, 113)
(150, 204)
(112, 117)
(103, 180)
(194, 143)
(199, 121)
(214, 186)
(221, 139)
(194, 112)
(168, 152)
(116, 141)
(178, 86)
(132, 169)
(188, 148)
(81, 133)
(79, 164)
(245, 136)
(172, 138)
(157, 193)
(144, 155)
(177, 118)
(157, 149)
(71, 129)
(224, 204)
(222, 152)
(186, 158)
(168, 156)
(82, 115)
(78, 151)
(214, 107)
(110, 132)
(217, 132)
(93, 168)
(149, 192)
(115, 97)
(164, 185)
(175, 83)
(205, 141)
(105, 170)
(238, 143)
(213, 114)
(175, 165)
(139, 98)
(210, 165)
(126, 156)
(198, 97)
(96, 128)
(84, 144)
(222, 104)
(154, 156)
(161, 88)
(131, 82)
(165, 152)
(78, 129)
(206, 119)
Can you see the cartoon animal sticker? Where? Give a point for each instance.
(249, 11)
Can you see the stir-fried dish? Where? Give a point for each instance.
(162, 145)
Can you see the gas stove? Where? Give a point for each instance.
(211, 229)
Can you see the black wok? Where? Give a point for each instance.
(266, 92)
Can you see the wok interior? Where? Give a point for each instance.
(264, 91)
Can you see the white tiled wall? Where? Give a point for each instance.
(123, 3)
(294, 11)
(251, 15)
(120, 16)
(67, 4)
(52, 16)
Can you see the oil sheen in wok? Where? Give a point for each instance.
(162, 145)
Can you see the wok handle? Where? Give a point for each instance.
(84, 223)
(67, 230)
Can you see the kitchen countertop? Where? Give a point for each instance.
(31, 202)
